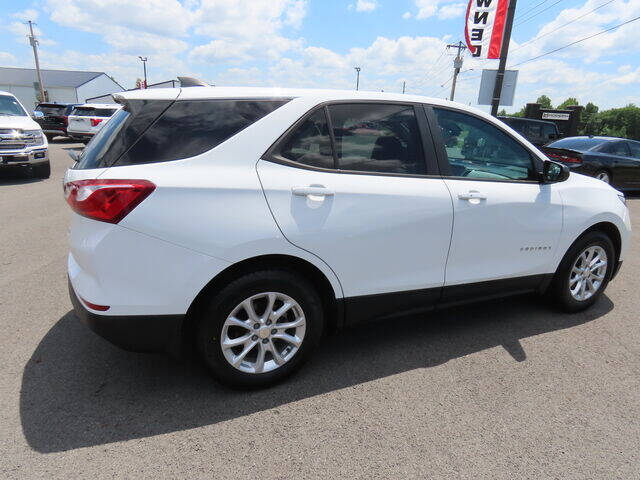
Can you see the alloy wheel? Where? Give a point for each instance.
(588, 273)
(263, 332)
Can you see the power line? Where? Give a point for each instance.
(536, 14)
(562, 26)
(532, 8)
(577, 41)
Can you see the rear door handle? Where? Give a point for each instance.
(318, 191)
(472, 195)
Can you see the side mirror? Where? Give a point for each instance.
(38, 114)
(554, 172)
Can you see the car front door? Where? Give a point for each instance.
(365, 197)
(506, 223)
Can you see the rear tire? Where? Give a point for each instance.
(41, 171)
(578, 268)
(251, 363)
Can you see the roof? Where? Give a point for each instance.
(50, 78)
(99, 105)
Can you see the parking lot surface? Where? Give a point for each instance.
(508, 389)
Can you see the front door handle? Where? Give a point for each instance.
(316, 191)
(472, 195)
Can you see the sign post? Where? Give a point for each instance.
(503, 58)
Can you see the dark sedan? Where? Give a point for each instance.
(612, 160)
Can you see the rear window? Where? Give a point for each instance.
(51, 109)
(191, 127)
(577, 143)
(158, 131)
(92, 112)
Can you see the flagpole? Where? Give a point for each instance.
(504, 51)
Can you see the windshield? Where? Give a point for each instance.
(9, 106)
(580, 144)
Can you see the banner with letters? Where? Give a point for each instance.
(484, 27)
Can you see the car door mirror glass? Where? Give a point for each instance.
(554, 172)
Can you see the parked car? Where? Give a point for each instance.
(88, 119)
(538, 132)
(54, 119)
(246, 222)
(22, 143)
(612, 160)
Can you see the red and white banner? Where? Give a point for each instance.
(484, 29)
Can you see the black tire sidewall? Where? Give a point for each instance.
(214, 315)
(561, 282)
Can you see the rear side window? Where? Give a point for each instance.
(310, 144)
(377, 137)
(191, 127)
(616, 148)
(635, 149)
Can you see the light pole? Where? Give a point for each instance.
(34, 44)
(357, 77)
(144, 66)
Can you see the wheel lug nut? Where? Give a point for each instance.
(254, 337)
(264, 340)
(273, 331)
(268, 322)
(256, 326)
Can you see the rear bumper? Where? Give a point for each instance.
(135, 333)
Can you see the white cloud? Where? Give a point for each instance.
(443, 9)
(406, 15)
(364, 5)
(21, 31)
(454, 10)
(7, 58)
(29, 14)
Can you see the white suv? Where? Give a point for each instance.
(88, 119)
(246, 222)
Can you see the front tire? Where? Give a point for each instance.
(41, 171)
(260, 328)
(584, 272)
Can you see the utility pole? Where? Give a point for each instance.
(357, 77)
(34, 43)
(144, 66)
(457, 65)
(404, 84)
(504, 51)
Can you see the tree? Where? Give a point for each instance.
(544, 101)
(590, 124)
(567, 103)
(502, 113)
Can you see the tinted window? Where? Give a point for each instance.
(191, 127)
(310, 143)
(120, 132)
(579, 144)
(477, 149)
(377, 138)
(548, 130)
(616, 148)
(635, 149)
(10, 107)
(51, 109)
(93, 112)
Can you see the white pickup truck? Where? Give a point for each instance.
(22, 143)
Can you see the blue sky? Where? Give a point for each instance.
(313, 43)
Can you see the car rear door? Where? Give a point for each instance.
(506, 223)
(356, 184)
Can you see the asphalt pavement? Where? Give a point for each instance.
(501, 390)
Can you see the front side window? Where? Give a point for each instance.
(377, 137)
(477, 149)
(310, 143)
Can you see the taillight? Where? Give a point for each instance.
(107, 200)
(564, 158)
(95, 121)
